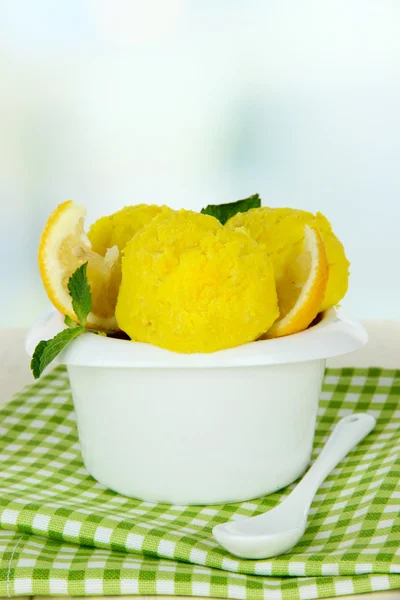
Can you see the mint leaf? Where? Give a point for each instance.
(223, 212)
(69, 322)
(46, 351)
(79, 290)
(36, 358)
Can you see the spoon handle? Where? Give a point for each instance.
(348, 432)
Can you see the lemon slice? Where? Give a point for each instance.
(279, 230)
(63, 247)
(302, 286)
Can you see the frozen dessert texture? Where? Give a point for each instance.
(189, 284)
(120, 227)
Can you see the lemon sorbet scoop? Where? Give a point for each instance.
(117, 229)
(280, 232)
(191, 285)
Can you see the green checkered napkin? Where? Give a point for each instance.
(63, 533)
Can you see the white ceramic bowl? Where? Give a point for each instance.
(199, 428)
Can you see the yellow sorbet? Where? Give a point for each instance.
(117, 229)
(191, 285)
(280, 232)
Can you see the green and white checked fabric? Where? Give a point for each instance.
(64, 533)
(34, 565)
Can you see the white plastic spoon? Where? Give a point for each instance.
(279, 529)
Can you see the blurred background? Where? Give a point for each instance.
(116, 102)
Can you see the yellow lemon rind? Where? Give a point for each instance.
(309, 301)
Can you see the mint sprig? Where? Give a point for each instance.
(70, 322)
(223, 212)
(47, 350)
(79, 290)
(36, 358)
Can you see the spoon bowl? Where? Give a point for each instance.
(279, 529)
(245, 544)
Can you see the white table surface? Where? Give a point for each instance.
(382, 350)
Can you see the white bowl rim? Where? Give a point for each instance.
(333, 335)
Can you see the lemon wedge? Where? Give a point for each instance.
(302, 286)
(64, 246)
